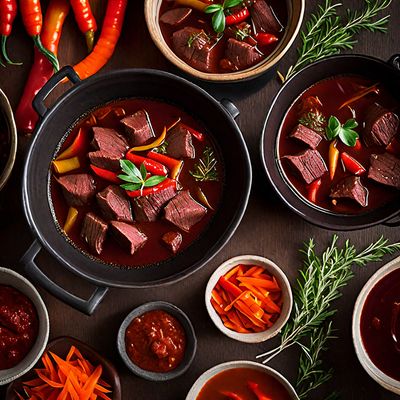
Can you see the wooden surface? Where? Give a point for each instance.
(268, 229)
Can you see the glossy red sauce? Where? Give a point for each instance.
(235, 380)
(156, 341)
(154, 250)
(333, 93)
(380, 324)
(201, 20)
(18, 326)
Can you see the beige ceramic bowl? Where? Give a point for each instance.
(375, 373)
(283, 282)
(295, 19)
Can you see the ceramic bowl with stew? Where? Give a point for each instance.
(271, 268)
(376, 326)
(76, 104)
(17, 281)
(283, 389)
(184, 324)
(332, 82)
(8, 139)
(292, 14)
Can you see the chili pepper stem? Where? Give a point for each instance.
(4, 51)
(48, 54)
(89, 35)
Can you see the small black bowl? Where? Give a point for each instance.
(191, 341)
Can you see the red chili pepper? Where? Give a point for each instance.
(264, 39)
(358, 145)
(42, 70)
(105, 174)
(257, 391)
(152, 166)
(85, 20)
(352, 165)
(237, 17)
(229, 286)
(8, 12)
(312, 190)
(196, 134)
(76, 147)
(172, 164)
(104, 48)
(166, 183)
(231, 395)
(32, 18)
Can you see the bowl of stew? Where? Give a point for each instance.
(250, 38)
(245, 379)
(8, 139)
(376, 326)
(330, 143)
(24, 326)
(157, 341)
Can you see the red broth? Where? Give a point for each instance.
(154, 251)
(380, 324)
(235, 380)
(333, 93)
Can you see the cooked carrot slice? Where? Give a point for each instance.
(270, 306)
(260, 282)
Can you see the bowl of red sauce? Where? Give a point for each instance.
(24, 325)
(157, 341)
(376, 326)
(245, 380)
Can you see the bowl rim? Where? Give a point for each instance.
(13, 136)
(276, 271)
(238, 76)
(191, 341)
(213, 371)
(372, 370)
(23, 366)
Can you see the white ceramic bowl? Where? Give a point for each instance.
(206, 376)
(283, 282)
(375, 373)
(11, 278)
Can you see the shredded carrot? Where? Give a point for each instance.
(359, 95)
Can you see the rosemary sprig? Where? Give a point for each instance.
(326, 33)
(206, 168)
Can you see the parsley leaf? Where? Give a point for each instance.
(345, 132)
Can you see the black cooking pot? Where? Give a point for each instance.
(386, 72)
(55, 122)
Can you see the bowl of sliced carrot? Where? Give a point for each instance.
(249, 298)
(68, 369)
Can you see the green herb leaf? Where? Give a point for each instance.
(154, 180)
(345, 132)
(129, 168)
(206, 168)
(213, 8)
(348, 137)
(232, 3)
(143, 171)
(218, 21)
(314, 120)
(350, 124)
(129, 178)
(333, 128)
(131, 186)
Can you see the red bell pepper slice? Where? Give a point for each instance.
(358, 145)
(76, 147)
(254, 387)
(231, 395)
(265, 39)
(196, 134)
(152, 166)
(172, 164)
(154, 189)
(312, 190)
(105, 174)
(237, 17)
(352, 165)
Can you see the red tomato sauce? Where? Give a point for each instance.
(18, 326)
(156, 341)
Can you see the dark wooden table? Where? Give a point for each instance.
(268, 229)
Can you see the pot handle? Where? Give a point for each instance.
(34, 272)
(394, 61)
(392, 222)
(65, 72)
(230, 107)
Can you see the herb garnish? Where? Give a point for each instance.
(314, 120)
(345, 132)
(162, 149)
(218, 19)
(319, 284)
(326, 33)
(206, 168)
(137, 178)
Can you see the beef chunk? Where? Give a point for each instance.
(380, 126)
(114, 204)
(94, 231)
(241, 54)
(138, 127)
(194, 46)
(351, 188)
(385, 168)
(147, 208)
(180, 143)
(309, 165)
(172, 240)
(306, 135)
(78, 189)
(128, 236)
(264, 18)
(176, 16)
(111, 147)
(183, 211)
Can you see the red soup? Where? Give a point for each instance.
(136, 182)
(339, 146)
